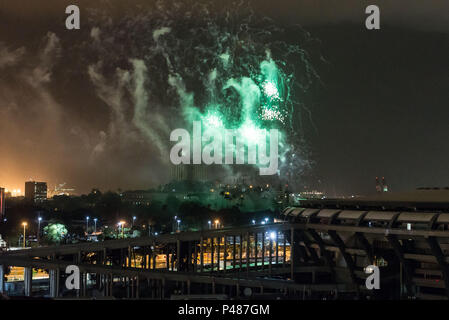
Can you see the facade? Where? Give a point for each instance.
(189, 172)
(36, 191)
(61, 190)
(178, 172)
(3, 243)
(2, 203)
(137, 197)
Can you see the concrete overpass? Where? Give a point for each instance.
(313, 251)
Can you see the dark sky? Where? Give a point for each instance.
(380, 110)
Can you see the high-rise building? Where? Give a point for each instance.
(178, 172)
(378, 187)
(189, 172)
(2, 203)
(36, 191)
(384, 185)
(61, 190)
(199, 172)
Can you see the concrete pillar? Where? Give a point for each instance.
(105, 279)
(105, 256)
(84, 284)
(292, 253)
(128, 287)
(28, 280)
(82, 290)
(2, 280)
(163, 287)
(54, 283)
(111, 285)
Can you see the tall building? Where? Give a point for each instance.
(189, 172)
(378, 187)
(36, 191)
(199, 172)
(61, 190)
(178, 172)
(2, 203)
(384, 185)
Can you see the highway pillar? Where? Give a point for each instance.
(84, 277)
(111, 285)
(2, 279)
(28, 280)
(54, 283)
(295, 251)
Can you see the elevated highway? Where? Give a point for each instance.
(310, 253)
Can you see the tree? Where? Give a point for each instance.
(54, 233)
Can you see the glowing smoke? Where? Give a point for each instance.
(154, 69)
(226, 68)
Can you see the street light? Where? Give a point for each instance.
(134, 219)
(95, 225)
(209, 223)
(178, 221)
(254, 221)
(216, 223)
(39, 219)
(87, 225)
(266, 219)
(24, 224)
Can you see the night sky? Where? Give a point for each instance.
(378, 109)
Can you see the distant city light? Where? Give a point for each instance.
(14, 192)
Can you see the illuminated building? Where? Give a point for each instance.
(2, 203)
(190, 172)
(36, 191)
(378, 187)
(384, 185)
(137, 197)
(178, 172)
(314, 194)
(62, 190)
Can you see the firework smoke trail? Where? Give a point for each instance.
(188, 61)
